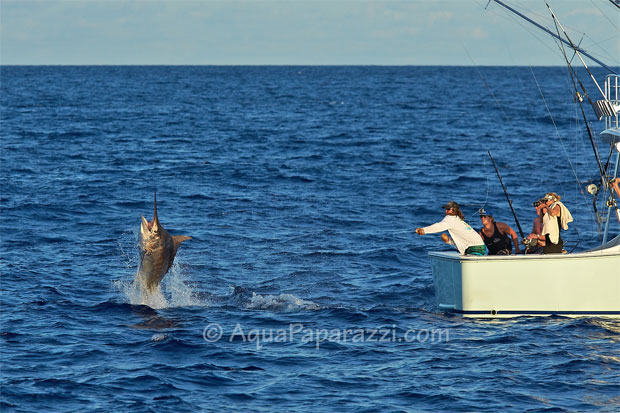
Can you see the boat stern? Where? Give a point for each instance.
(447, 276)
(573, 285)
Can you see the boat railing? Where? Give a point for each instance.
(612, 95)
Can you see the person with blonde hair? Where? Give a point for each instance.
(464, 237)
(556, 216)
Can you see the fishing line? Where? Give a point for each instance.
(478, 207)
(600, 44)
(581, 51)
(507, 196)
(556, 128)
(558, 38)
(401, 231)
(576, 79)
(603, 172)
(486, 199)
(604, 14)
(562, 145)
(525, 27)
(506, 118)
(529, 104)
(523, 88)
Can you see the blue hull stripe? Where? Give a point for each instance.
(526, 312)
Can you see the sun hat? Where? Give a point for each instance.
(450, 205)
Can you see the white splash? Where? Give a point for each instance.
(132, 293)
(174, 291)
(282, 302)
(159, 337)
(179, 289)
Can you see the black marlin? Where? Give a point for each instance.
(157, 251)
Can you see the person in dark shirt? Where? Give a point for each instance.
(499, 237)
(533, 241)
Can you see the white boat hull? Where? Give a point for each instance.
(581, 284)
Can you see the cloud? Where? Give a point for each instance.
(394, 33)
(441, 17)
(479, 33)
(585, 12)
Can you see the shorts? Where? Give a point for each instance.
(476, 250)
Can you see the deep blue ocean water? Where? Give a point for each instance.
(300, 187)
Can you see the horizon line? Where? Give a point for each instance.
(266, 65)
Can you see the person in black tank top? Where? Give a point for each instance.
(497, 235)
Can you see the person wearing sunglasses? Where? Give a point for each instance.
(533, 241)
(556, 217)
(464, 237)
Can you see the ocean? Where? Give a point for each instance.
(304, 286)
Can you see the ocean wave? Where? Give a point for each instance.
(302, 213)
(282, 302)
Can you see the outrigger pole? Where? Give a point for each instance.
(507, 197)
(579, 49)
(578, 96)
(603, 171)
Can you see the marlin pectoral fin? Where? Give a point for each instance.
(178, 239)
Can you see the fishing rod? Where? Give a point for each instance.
(578, 52)
(611, 203)
(507, 197)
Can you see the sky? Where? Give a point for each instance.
(298, 32)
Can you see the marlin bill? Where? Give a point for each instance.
(157, 251)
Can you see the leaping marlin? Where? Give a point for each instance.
(157, 251)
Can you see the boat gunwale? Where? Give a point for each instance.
(455, 256)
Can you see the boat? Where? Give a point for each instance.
(575, 284)
(579, 284)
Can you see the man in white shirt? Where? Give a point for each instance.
(466, 239)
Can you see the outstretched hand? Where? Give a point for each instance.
(615, 184)
(419, 231)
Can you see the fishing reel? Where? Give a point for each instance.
(530, 242)
(592, 189)
(578, 97)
